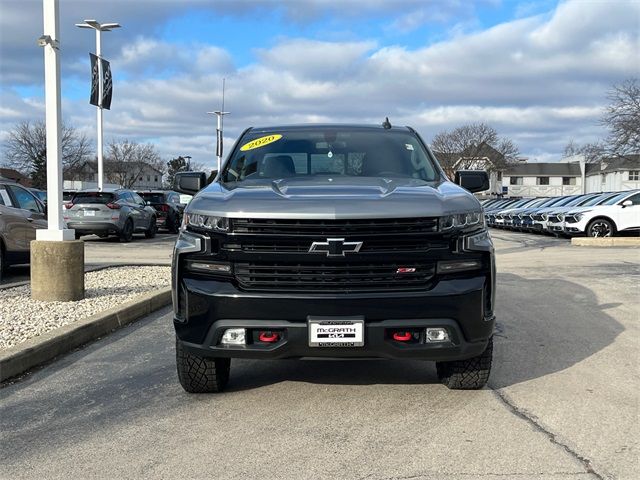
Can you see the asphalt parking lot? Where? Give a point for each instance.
(562, 400)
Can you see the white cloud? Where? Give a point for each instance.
(541, 80)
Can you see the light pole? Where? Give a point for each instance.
(57, 259)
(99, 28)
(188, 159)
(219, 113)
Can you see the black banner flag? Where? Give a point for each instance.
(107, 84)
(93, 99)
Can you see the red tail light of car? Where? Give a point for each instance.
(113, 206)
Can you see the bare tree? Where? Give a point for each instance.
(592, 152)
(26, 147)
(464, 146)
(127, 160)
(622, 118)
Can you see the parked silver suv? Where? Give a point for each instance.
(21, 214)
(110, 212)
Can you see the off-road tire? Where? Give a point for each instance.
(153, 229)
(173, 225)
(201, 374)
(470, 374)
(126, 235)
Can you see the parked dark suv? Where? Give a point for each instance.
(168, 208)
(333, 241)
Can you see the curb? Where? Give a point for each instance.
(38, 350)
(606, 242)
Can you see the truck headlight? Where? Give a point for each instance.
(462, 221)
(479, 242)
(206, 222)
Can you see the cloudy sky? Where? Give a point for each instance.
(538, 71)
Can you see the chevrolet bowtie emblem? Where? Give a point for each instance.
(335, 247)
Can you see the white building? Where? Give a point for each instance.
(613, 174)
(542, 179)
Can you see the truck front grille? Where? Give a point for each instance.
(334, 277)
(374, 226)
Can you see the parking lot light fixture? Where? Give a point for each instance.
(99, 28)
(56, 258)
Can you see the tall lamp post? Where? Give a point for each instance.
(188, 159)
(57, 259)
(99, 28)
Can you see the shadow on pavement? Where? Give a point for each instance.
(546, 326)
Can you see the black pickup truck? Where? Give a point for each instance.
(333, 241)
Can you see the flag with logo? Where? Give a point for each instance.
(107, 84)
(95, 79)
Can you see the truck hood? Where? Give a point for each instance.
(333, 198)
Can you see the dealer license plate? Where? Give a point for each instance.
(336, 333)
(89, 213)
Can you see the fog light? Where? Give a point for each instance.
(234, 336)
(211, 267)
(458, 266)
(436, 335)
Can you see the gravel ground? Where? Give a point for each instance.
(22, 318)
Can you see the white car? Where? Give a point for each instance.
(554, 219)
(620, 213)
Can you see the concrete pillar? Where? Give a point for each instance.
(57, 270)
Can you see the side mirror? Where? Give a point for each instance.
(189, 182)
(627, 203)
(473, 180)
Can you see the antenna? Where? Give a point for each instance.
(220, 114)
(386, 124)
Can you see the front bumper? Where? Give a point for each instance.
(210, 307)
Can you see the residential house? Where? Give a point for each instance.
(146, 176)
(482, 157)
(15, 176)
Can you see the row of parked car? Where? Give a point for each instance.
(117, 212)
(594, 214)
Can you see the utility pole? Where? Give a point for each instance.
(99, 28)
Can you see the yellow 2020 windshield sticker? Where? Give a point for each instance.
(260, 142)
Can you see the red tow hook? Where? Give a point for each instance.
(402, 336)
(268, 337)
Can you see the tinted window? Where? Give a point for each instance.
(25, 199)
(597, 200)
(93, 197)
(635, 199)
(153, 197)
(137, 199)
(614, 200)
(333, 151)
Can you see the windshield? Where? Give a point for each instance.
(93, 197)
(616, 199)
(329, 151)
(598, 199)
